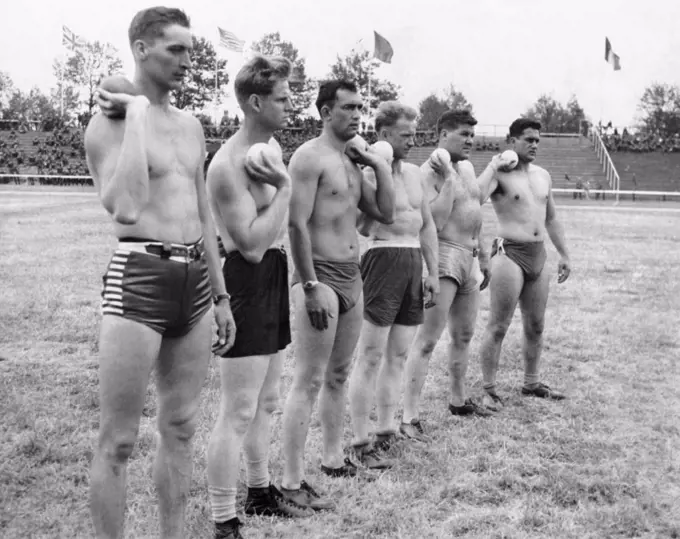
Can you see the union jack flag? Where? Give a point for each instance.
(70, 40)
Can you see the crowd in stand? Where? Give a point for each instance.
(625, 141)
(62, 153)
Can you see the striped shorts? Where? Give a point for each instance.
(168, 294)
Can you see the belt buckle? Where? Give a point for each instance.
(166, 249)
(475, 252)
(193, 254)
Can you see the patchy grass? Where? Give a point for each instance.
(603, 464)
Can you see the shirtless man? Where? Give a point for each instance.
(392, 271)
(455, 202)
(523, 202)
(328, 188)
(250, 204)
(162, 279)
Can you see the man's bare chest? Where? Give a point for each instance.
(171, 149)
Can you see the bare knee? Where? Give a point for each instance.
(336, 376)
(116, 444)
(178, 428)
(307, 387)
(397, 356)
(533, 329)
(461, 337)
(426, 346)
(269, 402)
(239, 411)
(498, 330)
(370, 357)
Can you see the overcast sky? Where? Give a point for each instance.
(502, 55)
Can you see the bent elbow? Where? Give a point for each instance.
(126, 217)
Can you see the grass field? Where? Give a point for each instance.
(605, 463)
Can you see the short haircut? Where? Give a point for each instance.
(453, 119)
(390, 112)
(520, 124)
(150, 23)
(328, 92)
(259, 75)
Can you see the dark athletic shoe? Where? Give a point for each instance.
(414, 431)
(544, 392)
(348, 469)
(270, 501)
(228, 529)
(368, 457)
(385, 442)
(307, 497)
(492, 401)
(469, 408)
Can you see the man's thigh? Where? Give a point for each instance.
(504, 289)
(313, 347)
(534, 299)
(127, 352)
(400, 340)
(463, 314)
(346, 337)
(181, 370)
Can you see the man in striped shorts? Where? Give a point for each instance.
(162, 279)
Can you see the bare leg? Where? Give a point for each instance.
(127, 351)
(505, 288)
(182, 369)
(462, 328)
(362, 381)
(427, 336)
(258, 437)
(241, 381)
(312, 353)
(532, 302)
(333, 392)
(389, 377)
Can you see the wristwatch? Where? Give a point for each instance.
(220, 297)
(309, 285)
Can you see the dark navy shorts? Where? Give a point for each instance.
(259, 302)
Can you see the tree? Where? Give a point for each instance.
(6, 90)
(302, 87)
(433, 106)
(200, 87)
(659, 109)
(85, 69)
(33, 106)
(356, 66)
(554, 117)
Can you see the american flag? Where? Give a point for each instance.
(71, 40)
(230, 41)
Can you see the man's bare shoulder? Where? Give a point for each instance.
(226, 158)
(466, 167)
(535, 170)
(309, 155)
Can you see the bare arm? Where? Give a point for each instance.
(377, 192)
(209, 234)
(428, 239)
(253, 234)
(488, 181)
(305, 175)
(440, 200)
(554, 227)
(120, 168)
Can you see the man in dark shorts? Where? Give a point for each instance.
(328, 188)
(249, 199)
(392, 271)
(162, 279)
(523, 202)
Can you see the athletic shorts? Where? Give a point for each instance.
(164, 286)
(530, 256)
(460, 264)
(343, 277)
(393, 285)
(259, 302)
